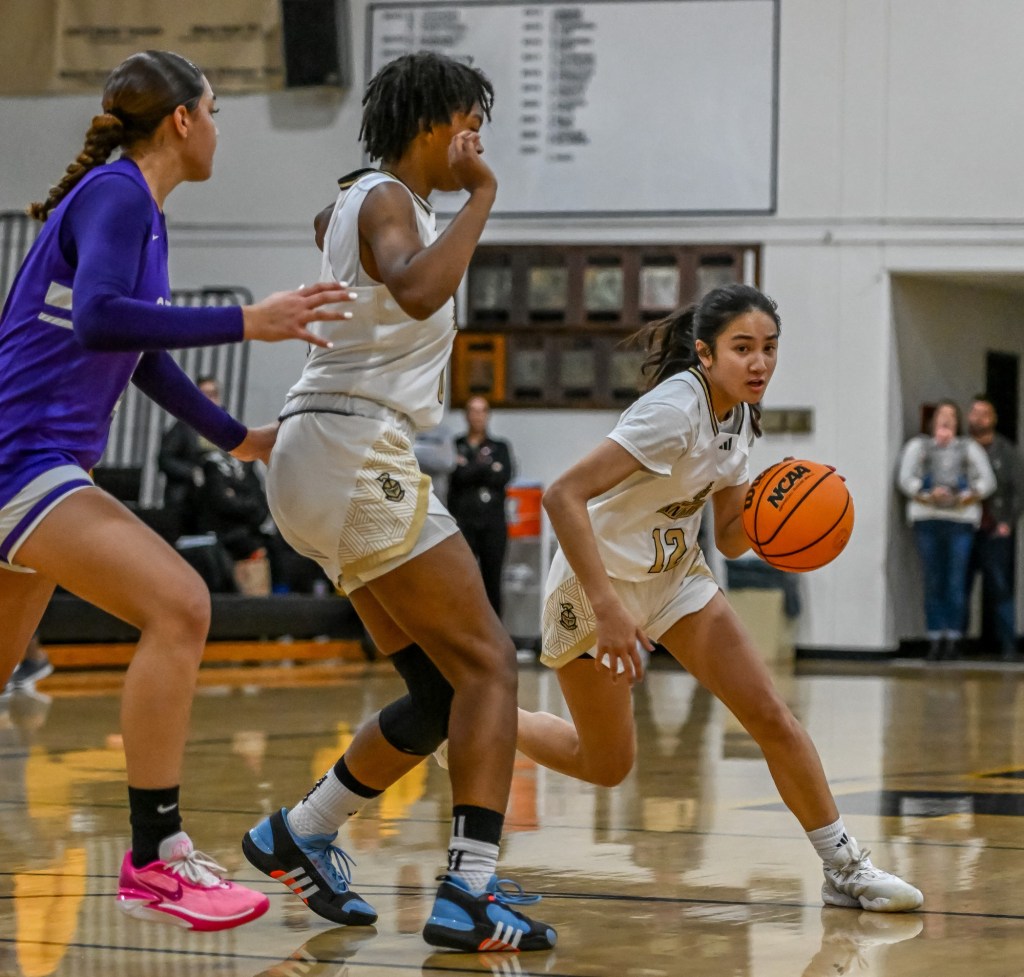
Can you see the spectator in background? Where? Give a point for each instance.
(210, 491)
(995, 542)
(181, 461)
(476, 494)
(232, 504)
(944, 477)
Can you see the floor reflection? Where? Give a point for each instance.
(690, 866)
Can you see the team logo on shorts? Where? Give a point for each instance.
(687, 507)
(567, 618)
(393, 491)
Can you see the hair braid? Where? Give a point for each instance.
(105, 134)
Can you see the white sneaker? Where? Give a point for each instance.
(853, 882)
(441, 755)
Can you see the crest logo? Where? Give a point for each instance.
(687, 507)
(567, 618)
(392, 489)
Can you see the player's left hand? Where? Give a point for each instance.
(257, 444)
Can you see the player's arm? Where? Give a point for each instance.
(420, 277)
(160, 378)
(730, 537)
(320, 224)
(566, 505)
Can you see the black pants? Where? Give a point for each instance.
(488, 543)
(994, 558)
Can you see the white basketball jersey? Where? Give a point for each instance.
(381, 353)
(648, 523)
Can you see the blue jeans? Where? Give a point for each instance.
(944, 547)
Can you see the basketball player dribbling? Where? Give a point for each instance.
(345, 490)
(629, 572)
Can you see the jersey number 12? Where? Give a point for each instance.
(669, 549)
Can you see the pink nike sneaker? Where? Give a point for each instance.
(184, 888)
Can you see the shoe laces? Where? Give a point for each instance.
(511, 893)
(859, 866)
(336, 864)
(198, 868)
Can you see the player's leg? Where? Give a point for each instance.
(24, 597)
(438, 600)
(297, 845)
(599, 745)
(95, 548)
(712, 645)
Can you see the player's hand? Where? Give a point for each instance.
(465, 158)
(618, 641)
(285, 315)
(257, 444)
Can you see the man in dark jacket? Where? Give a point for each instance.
(476, 494)
(995, 543)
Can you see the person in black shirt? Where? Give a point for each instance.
(995, 541)
(476, 495)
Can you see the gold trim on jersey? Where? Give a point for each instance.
(707, 396)
(706, 387)
(388, 507)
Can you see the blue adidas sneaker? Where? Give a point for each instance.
(312, 866)
(478, 922)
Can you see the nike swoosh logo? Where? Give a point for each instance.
(165, 808)
(173, 894)
(156, 237)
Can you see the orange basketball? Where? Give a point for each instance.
(798, 515)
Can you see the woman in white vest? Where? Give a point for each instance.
(944, 477)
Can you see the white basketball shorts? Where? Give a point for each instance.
(345, 488)
(656, 603)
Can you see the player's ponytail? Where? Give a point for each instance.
(105, 134)
(669, 346)
(138, 95)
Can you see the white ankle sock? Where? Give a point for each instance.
(325, 808)
(472, 861)
(828, 840)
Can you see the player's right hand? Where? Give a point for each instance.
(285, 315)
(465, 157)
(618, 640)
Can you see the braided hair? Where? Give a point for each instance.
(138, 95)
(670, 344)
(412, 94)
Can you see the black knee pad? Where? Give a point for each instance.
(418, 722)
